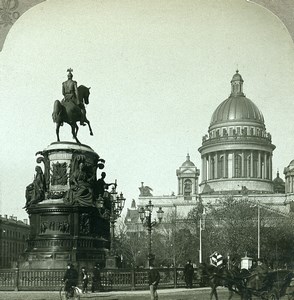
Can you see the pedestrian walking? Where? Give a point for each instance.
(188, 274)
(153, 280)
(70, 279)
(96, 278)
(85, 280)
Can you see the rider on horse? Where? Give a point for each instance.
(70, 93)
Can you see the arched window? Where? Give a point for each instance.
(187, 189)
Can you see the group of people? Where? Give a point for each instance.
(71, 279)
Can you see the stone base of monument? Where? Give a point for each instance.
(62, 234)
(66, 226)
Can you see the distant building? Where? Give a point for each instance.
(13, 236)
(132, 219)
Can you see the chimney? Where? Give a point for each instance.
(5, 216)
(25, 221)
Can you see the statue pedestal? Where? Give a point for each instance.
(66, 226)
(111, 262)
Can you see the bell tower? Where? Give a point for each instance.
(188, 179)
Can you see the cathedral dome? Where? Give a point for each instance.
(237, 107)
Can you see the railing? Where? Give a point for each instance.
(115, 279)
(236, 138)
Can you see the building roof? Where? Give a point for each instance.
(237, 107)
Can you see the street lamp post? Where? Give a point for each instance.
(257, 204)
(258, 231)
(117, 203)
(146, 214)
(201, 227)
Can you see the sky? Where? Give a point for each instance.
(157, 71)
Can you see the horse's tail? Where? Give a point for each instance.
(57, 109)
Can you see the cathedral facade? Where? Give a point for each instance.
(236, 156)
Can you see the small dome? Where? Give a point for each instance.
(278, 179)
(188, 163)
(237, 77)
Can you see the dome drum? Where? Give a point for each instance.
(215, 144)
(234, 186)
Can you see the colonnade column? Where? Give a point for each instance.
(251, 164)
(265, 166)
(204, 169)
(259, 165)
(209, 167)
(233, 165)
(215, 166)
(225, 165)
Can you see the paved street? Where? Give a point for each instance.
(164, 294)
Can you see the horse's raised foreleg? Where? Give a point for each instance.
(88, 122)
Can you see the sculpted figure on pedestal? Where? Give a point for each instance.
(145, 191)
(100, 189)
(35, 192)
(71, 109)
(80, 192)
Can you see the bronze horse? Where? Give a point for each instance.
(71, 113)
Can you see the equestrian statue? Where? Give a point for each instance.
(72, 108)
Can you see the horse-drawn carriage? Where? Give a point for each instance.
(249, 285)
